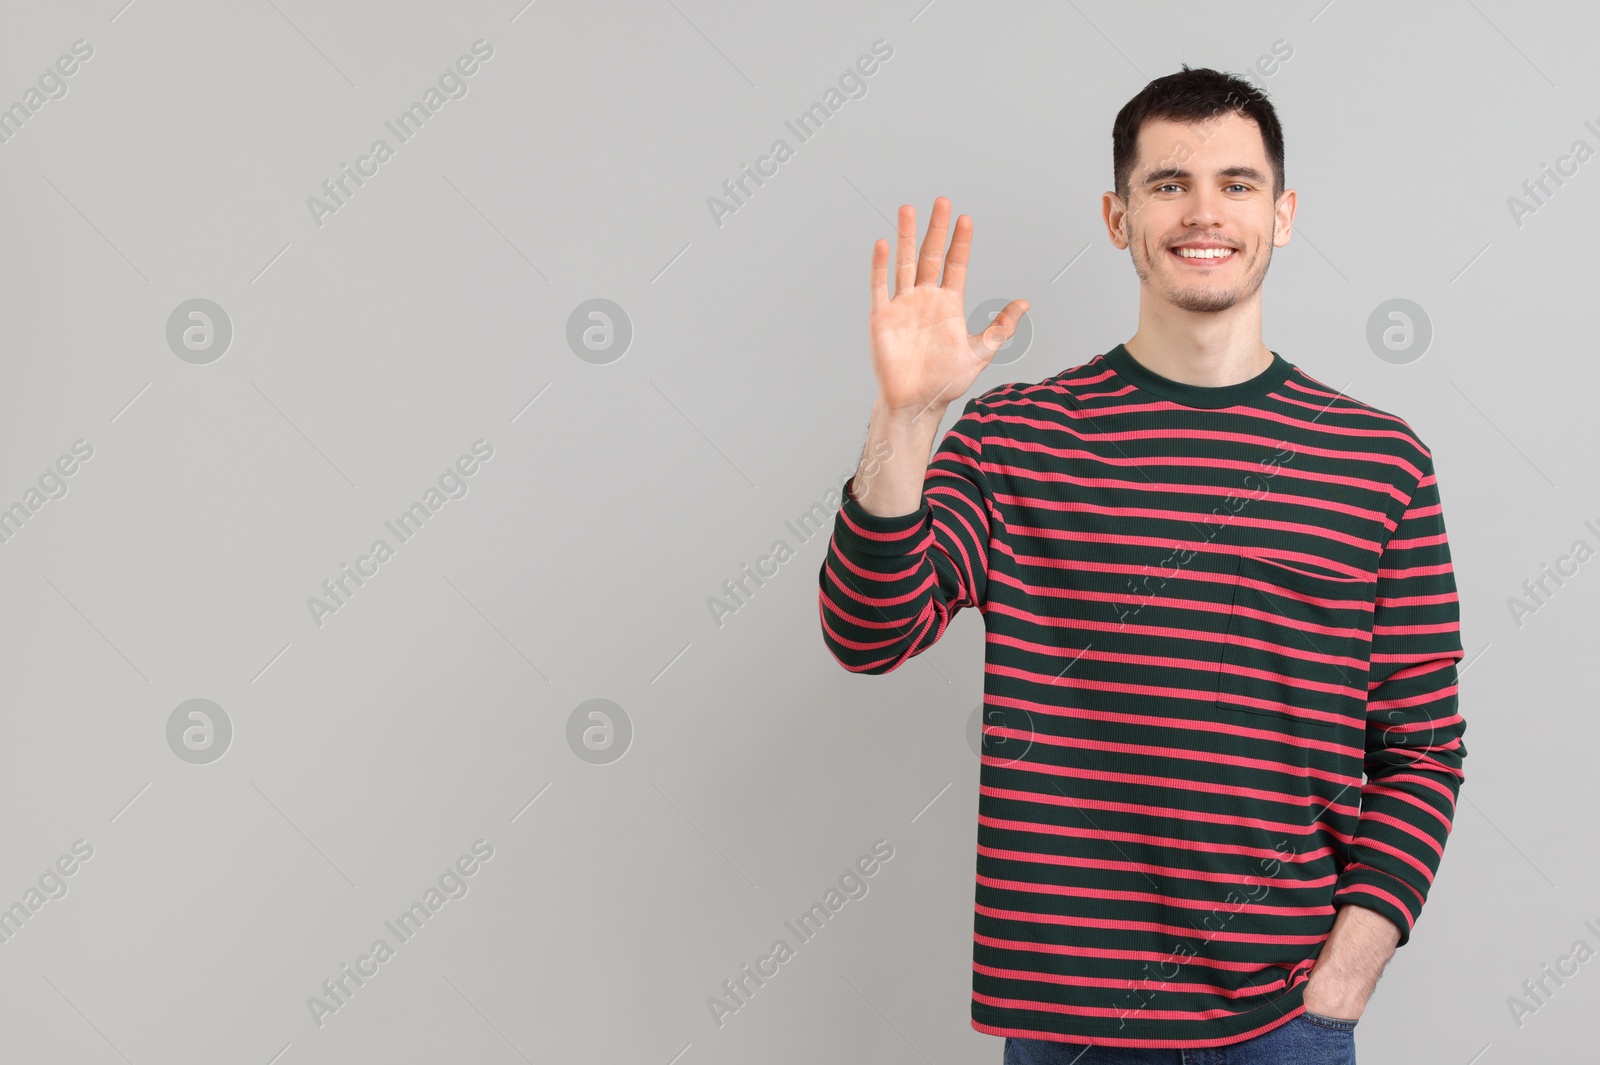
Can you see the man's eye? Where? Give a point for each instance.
(1235, 185)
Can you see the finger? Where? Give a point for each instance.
(932, 260)
(880, 275)
(999, 331)
(955, 267)
(905, 252)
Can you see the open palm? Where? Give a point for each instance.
(922, 355)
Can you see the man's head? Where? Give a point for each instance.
(1198, 161)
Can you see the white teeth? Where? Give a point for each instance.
(1204, 253)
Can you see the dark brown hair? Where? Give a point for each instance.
(1193, 96)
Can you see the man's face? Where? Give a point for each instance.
(1203, 184)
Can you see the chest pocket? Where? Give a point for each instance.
(1298, 647)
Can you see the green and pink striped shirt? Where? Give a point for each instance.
(1220, 692)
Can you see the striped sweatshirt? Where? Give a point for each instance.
(1219, 686)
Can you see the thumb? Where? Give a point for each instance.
(986, 343)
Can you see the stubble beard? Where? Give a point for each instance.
(1205, 300)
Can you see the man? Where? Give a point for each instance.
(1216, 593)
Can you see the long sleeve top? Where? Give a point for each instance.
(1220, 695)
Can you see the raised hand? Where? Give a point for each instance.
(922, 355)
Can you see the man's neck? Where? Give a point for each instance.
(1193, 361)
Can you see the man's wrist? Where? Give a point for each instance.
(1343, 1002)
(905, 421)
(1353, 958)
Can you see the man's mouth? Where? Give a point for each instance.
(1203, 258)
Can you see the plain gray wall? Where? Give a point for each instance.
(434, 309)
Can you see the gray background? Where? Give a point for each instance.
(432, 310)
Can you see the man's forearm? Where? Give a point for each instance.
(1352, 960)
(891, 485)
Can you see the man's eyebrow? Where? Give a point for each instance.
(1167, 173)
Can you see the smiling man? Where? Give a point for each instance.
(1222, 747)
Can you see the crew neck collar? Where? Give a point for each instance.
(1209, 397)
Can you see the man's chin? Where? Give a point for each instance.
(1202, 300)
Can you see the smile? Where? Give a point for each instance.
(1204, 258)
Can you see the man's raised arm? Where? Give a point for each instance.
(910, 541)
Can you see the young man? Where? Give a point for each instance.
(1216, 591)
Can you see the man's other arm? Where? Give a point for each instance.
(1413, 761)
(1414, 747)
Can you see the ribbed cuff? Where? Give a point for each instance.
(863, 532)
(1376, 890)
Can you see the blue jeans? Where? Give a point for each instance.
(1309, 1039)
